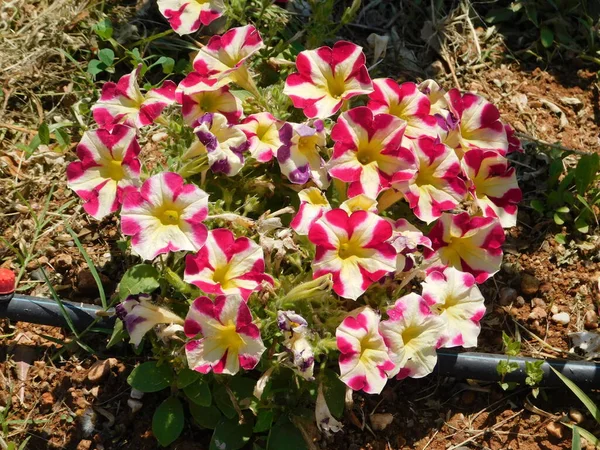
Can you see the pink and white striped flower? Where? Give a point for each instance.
(262, 131)
(313, 204)
(328, 77)
(140, 315)
(493, 185)
(468, 244)
(123, 102)
(429, 178)
(226, 265)
(406, 102)
(364, 356)
(360, 202)
(478, 126)
(353, 248)
(224, 56)
(437, 97)
(222, 143)
(228, 338)
(186, 16)
(299, 156)
(164, 215)
(412, 333)
(108, 164)
(366, 150)
(457, 300)
(195, 104)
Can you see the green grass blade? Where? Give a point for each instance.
(61, 305)
(90, 264)
(576, 440)
(584, 434)
(589, 404)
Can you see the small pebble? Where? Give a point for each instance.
(84, 444)
(99, 371)
(554, 309)
(556, 429)
(507, 296)
(529, 284)
(562, 318)
(134, 405)
(576, 416)
(538, 302)
(47, 400)
(136, 394)
(520, 301)
(538, 313)
(590, 320)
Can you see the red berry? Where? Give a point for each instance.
(7, 281)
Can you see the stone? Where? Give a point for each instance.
(529, 284)
(554, 309)
(99, 370)
(47, 400)
(381, 421)
(537, 313)
(84, 444)
(576, 416)
(520, 301)
(507, 296)
(538, 302)
(556, 430)
(562, 318)
(590, 320)
(134, 405)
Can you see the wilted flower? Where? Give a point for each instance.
(404, 101)
(140, 315)
(514, 144)
(327, 77)
(325, 421)
(195, 104)
(405, 239)
(429, 178)
(123, 102)
(186, 16)
(412, 334)
(164, 215)
(228, 340)
(299, 157)
(224, 56)
(226, 265)
(262, 130)
(468, 244)
(437, 97)
(363, 354)
(493, 185)
(455, 297)
(366, 150)
(295, 332)
(313, 204)
(353, 249)
(108, 164)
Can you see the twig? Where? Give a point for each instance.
(482, 432)
(17, 128)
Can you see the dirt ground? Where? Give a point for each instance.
(74, 400)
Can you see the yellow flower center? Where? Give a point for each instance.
(426, 177)
(317, 198)
(169, 217)
(410, 333)
(349, 249)
(397, 109)
(261, 130)
(113, 169)
(221, 276)
(368, 152)
(229, 338)
(307, 144)
(336, 85)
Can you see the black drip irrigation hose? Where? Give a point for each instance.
(477, 366)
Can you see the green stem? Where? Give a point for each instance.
(149, 39)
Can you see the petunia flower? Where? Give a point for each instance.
(353, 249)
(108, 164)
(164, 215)
(224, 56)
(328, 77)
(196, 104)
(295, 332)
(478, 124)
(228, 338)
(436, 95)
(325, 420)
(406, 102)
(493, 185)
(514, 144)
(123, 102)
(455, 297)
(360, 202)
(186, 16)
(313, 204)
(363, 354)
(222, 144)
(468, 244)
(262, 130)
(140, 315)
(366, 150)
(406, 239)
(429, 178)
(226, 265)
(412, 333)
(299, 157)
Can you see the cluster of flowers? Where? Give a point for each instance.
(441, 152)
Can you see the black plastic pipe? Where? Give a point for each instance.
(45, 311)
(477, 366)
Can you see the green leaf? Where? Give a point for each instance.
(186, 377)
(150, 377)
(534, 372)
(586, 172)
(44, 133)
(167, 64)
(142, 278)
(107, 56)
(104, 29)
(118, 334)
(576, 441)
(229, 434)
(558, 220)
(205, 416)
(95, 67)
(199, 392)
(511, 347)
(62, 137)
(560, 238)
(589, 404)
(334, 391)
(223, 401)
(537, 205)
(243, 389)
(285, 436)
(546, 36)
(585, 434)
(563, 210)
(350, 12)
(264, 420)
(499, 15)
(242, 94)
(168, 420)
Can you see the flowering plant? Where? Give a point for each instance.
(281, 263)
